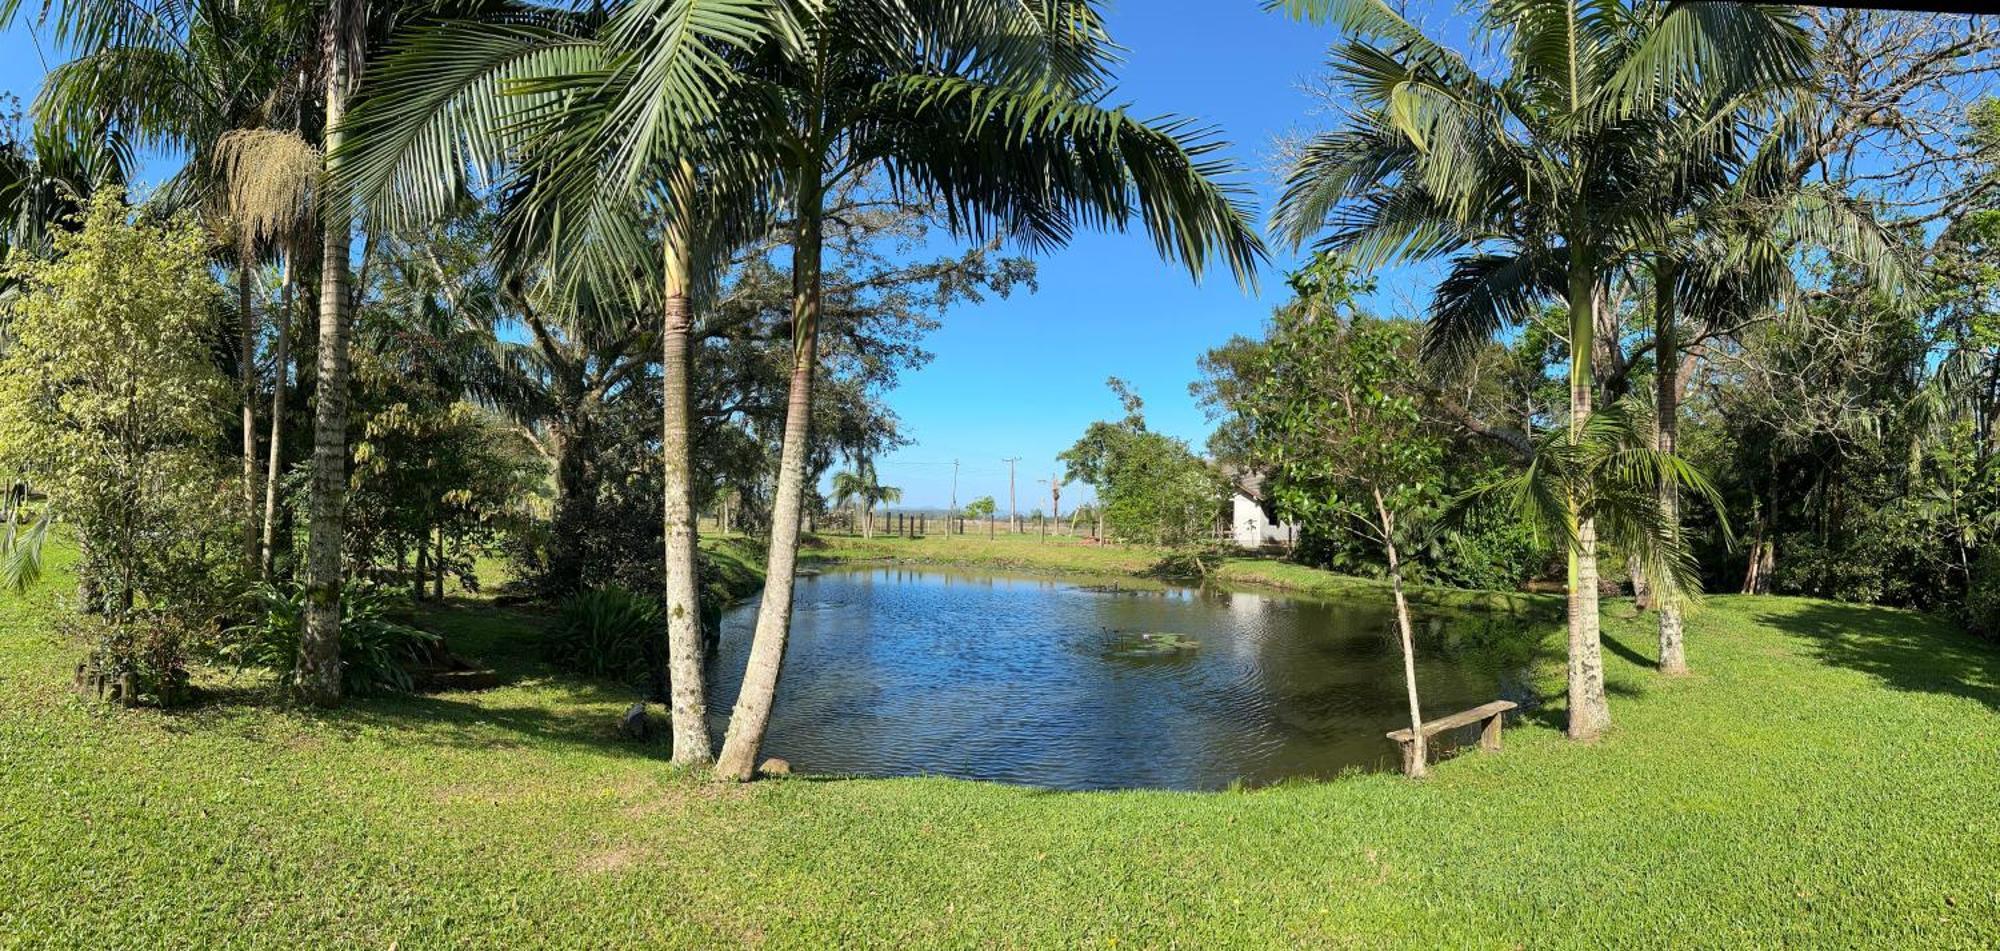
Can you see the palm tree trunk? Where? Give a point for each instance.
(1589, 711)
(1667, 392)
(689, 697)
(246, 383)
(276, 461)
(575, 497)
(1418, 763)
(319, 649)
(774, 616)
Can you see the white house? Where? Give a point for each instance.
(1248, 525)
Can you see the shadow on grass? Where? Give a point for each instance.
(1905, 650)
(1625, 651)
(582, 715)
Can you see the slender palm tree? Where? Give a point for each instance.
(269, 180)
(986, 109)
(471, 100)
(862, 488)
(1722, 255)
(1539, 185)
(991, 112)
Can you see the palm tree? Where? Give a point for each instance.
(270, 182)
(1539, 184)
(863, 489)
(985, 109)
(180, 77)
(946, 101)
(1725, 258)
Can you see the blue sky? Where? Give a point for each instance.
(1023, 377)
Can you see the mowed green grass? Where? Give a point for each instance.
(1829, 777)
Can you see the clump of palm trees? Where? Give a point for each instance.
(1616, 142)
(861, 488)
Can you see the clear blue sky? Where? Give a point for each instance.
(1023, 377)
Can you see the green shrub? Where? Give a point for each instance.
(153, 648)
(1981, 612)
(376, 651)
(608, 632)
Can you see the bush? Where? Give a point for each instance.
(153, 648)
(608, 632)
(375, 650)
(1981, 613)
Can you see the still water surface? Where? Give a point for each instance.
(977, 675)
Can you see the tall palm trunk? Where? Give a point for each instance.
(575, 500)
(276, 464)
(1667, 426)
(774, 616)
(1667, 393)
(1419, 761)
(319, 649)
(246, 384)
(1589, 711)
(689, 695)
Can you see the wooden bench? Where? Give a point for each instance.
(1488, 715)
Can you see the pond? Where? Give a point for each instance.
(979, 675)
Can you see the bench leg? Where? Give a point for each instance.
(1409, 758)
(1489, 734)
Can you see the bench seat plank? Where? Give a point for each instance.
(1456, 720)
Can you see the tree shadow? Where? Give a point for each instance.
(1625, 651)
(583, 715)
(1902, 649)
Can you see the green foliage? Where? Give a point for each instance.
(376, 649)
(982, 507)
(1610, 472)
(1337, 420)
(1153, 489)
(608, 632)
(111, 402)
(155, 648)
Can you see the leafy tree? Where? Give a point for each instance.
(982, 507)
(109, 400)
(1349, 443)
(1152, 488)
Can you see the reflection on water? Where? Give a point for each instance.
(902, 672)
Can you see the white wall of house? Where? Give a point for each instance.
(1252, 529)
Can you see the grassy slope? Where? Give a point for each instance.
(1827, 778)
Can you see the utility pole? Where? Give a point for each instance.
(1013, 510)
(954, 496)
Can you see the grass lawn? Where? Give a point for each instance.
(1829, 777)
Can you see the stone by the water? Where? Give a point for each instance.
(775, 767)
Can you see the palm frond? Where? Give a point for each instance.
(1035, 163)
(21, 555)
